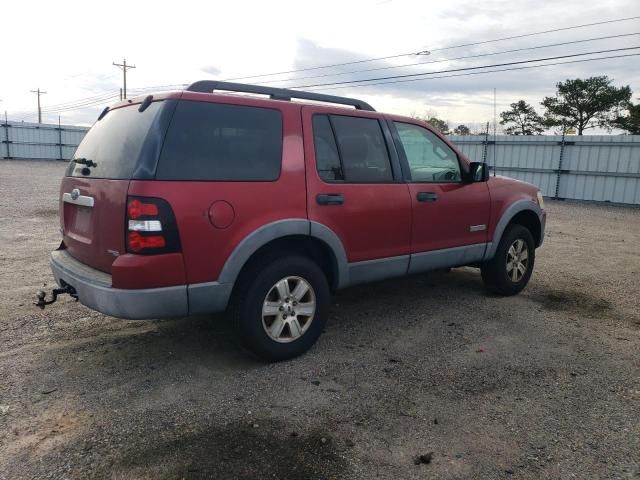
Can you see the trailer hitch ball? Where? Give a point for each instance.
(41, 296)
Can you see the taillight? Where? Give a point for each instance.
(136, 208)
(151, 226)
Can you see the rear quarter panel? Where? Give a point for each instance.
(205, 247)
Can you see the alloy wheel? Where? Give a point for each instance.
(288, 309)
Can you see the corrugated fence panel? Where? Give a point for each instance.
(603, 168)
(21, 140)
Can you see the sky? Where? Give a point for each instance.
(67, 48)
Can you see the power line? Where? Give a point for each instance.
(90, 101)
(392, 67)
(84, 105)
(466, 68)
(70, 103)
(141, 90)
(438, 49)
(485, 72)
(81, 101)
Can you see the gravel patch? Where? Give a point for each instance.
(428, 376)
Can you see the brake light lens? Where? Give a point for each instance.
(151, 226)
(137, 209)
(137, 243)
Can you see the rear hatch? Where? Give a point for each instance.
(122, 145)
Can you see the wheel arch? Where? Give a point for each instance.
(522, 212)
(294, 236)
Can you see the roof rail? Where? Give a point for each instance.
(208, 86)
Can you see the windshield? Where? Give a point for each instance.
(112, 147)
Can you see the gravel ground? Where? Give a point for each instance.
(542, 385)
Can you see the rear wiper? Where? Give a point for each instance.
(85, 161)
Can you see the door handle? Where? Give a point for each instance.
(330, 199)
(427, 196)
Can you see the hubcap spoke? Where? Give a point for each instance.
(270, 308)
(519, 245)
(294, 327)
(522, 268)
(305, 309)
(283, 289)
(276, 327)
(512, 252)
(514, 275)
(524, 255)
(300, 291)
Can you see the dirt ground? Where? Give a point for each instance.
(542, 385)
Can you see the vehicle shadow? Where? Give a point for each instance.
(206, 345)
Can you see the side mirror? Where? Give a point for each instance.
(478, 172)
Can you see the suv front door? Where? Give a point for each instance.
(354, 187)
(450, 216)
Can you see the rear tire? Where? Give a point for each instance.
(281, 306)
(509, 271)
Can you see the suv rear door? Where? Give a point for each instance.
(354, 184)
(93, 193)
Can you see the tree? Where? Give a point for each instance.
(629, 122)
(462, 130)
(432, 119)
(586, 103)
(439, 124)
(522, 119)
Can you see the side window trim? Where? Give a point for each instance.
(338, 148)
(392, 153)
(396, 169)
(404, 161)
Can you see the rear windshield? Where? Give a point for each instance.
(212, 141)
(113, 144)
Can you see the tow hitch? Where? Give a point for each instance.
(41, 295)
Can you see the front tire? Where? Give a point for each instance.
(509, 271)
(281, 307)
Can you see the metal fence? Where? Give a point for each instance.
(34, 141)
(604, 168)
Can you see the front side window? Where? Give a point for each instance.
(430, 159)
(220, 142)
(356, 154)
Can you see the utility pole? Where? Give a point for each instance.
(39, 92)
(124, 68)
(495, 129)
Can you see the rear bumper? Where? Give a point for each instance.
(94, 290)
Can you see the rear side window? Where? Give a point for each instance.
(212, 141)
(114, 143)
(358, 146)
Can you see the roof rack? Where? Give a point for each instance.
(208, 86)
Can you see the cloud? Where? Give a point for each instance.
(211, 70)
(457, 91)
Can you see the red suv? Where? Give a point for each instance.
(194, 202)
